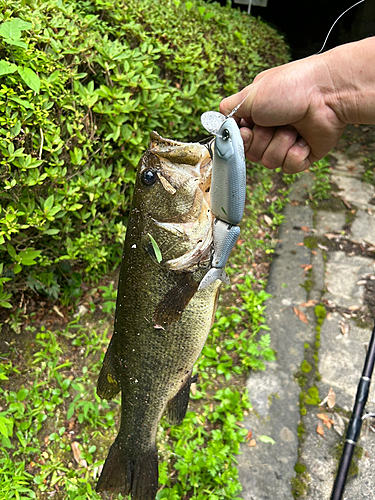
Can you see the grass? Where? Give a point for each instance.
(321, 189)
(55, 431)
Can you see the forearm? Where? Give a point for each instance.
(352, 72)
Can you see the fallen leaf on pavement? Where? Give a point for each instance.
(300, 244)
(249, 435)
(306, 267)
(330, 236)
(331, 401)
(353, 308)
(306, 229)
(344, 327)
(348, 205)
(320, 430)
(361, 282)
(338, 424)
(313, 252)
(310, 303)
(300, 315)
(326, 420)
(252, 443)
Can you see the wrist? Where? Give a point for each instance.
(349, 89)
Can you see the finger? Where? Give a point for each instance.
(283, 139)
(246, 122)
(247, 137)
(298, 158)
(262, 136)
(242, 99)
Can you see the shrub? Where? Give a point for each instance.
(82, 84)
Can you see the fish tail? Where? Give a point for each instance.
(129, 475)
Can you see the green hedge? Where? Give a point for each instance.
(82, 84)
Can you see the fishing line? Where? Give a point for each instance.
(324, 44)
(340, 16)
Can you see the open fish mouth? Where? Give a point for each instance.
(185, 168)
(193, 158)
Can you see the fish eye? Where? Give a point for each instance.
(149, 177)
(225, 135)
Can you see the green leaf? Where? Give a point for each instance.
(27, 256)
(266, 439)
(4, 423)
(9, 29)
(52, 232)
(70, 412)
(22, 394)
(5, 304)
(25, 104)
(21, 24)
(188, 5)
(17, 268)
(156, 248)
(6, 67)
(49, 202)
(30, 78)
(12, 251)
(17, 43)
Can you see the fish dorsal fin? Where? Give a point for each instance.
(108, 383)
(177, 406)
(173, 303)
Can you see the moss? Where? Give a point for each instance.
(357, 455)
(305, 366)
(311, 242)
(312, 396)
(301, 431)
(302, 380)
(300, 485)
(299, 468)
(332, 205)
(320, 313)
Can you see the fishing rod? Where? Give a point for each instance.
(355, 423)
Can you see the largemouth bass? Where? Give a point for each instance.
(162, 320)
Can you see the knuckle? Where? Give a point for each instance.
(270, 162)
(263, 134)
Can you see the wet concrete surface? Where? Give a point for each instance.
(308, 437)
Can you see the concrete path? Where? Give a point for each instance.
(321, 315)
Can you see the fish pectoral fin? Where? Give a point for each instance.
(177, 406)
(173, 303)
(108, 383)
(128, 474)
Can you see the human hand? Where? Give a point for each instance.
(287, 119)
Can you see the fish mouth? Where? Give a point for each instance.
(193, 158)
(195, 226)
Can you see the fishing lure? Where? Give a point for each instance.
(228, 190)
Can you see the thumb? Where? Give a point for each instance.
(243, 99)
